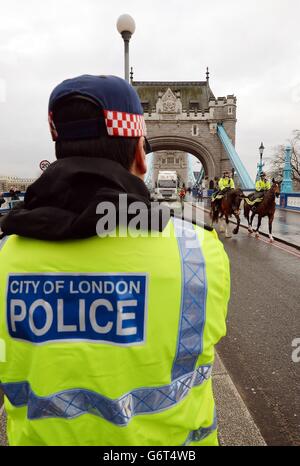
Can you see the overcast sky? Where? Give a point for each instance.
(252, 50)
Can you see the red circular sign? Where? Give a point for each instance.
(44, 164)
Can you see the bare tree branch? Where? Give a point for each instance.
(277, 161)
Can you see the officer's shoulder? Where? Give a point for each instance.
(203, 225)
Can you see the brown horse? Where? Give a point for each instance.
(265, 208)
(225, 208)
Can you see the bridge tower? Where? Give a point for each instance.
(186, 116)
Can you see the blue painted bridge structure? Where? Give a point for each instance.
(245, 180)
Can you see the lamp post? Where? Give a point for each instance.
(260, 165)
(287, 182)
(126, 27)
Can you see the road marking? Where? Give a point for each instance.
(282, 247)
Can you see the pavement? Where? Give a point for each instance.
(3, 439)
(236, 425)
(286, 226)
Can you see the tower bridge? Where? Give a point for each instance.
(186, 116)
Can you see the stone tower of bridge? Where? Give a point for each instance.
(183, 116)
(171, 160)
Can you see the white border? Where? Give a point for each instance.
(79, 340)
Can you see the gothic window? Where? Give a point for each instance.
(230, 110)
(194, 106)
(145, 104)
(195, 130)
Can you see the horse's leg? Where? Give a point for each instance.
(246, 214)
(214, 213)
(250, 229)
(236, 230)
(271, 218)
(211, 214)
(258, 226)
(222, 225)
(249, 219)
(227, 233)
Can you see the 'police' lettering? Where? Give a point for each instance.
(82, 307)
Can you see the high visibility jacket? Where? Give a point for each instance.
(262, 185)
(226, 183)
(110, 341)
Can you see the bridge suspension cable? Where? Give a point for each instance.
(243, 175)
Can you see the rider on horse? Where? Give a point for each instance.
(225, 184)
(262, 186)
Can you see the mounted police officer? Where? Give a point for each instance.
(261, 187)
(225, 184)
(108, 340)
(263, 184)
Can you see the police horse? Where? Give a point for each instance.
(224, 206)
(265, 208)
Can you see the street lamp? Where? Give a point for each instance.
(126, 27)
(260, 165)
(261, 151)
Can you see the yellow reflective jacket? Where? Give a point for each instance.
(110, 341)
(262, 185)
(226, 183)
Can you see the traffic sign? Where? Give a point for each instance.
(44, 164)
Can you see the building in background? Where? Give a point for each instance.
(171, 160)
(20, 184)
(184, 116)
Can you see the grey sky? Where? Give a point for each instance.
(252, 49)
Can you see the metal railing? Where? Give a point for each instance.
(9, 202)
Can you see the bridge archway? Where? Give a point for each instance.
(188, 145)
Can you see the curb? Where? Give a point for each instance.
(236, 426)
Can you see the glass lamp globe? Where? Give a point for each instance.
(126, 23)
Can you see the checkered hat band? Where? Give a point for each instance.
(124, 124)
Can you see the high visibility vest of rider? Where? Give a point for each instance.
(110, 341)
(262, 185)
(226, 183)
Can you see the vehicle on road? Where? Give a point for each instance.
(167, 186)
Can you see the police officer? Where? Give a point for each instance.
(263, 184)
(261, 187)
(226, 182)
(109, 339)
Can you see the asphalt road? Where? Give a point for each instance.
(263, 321)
